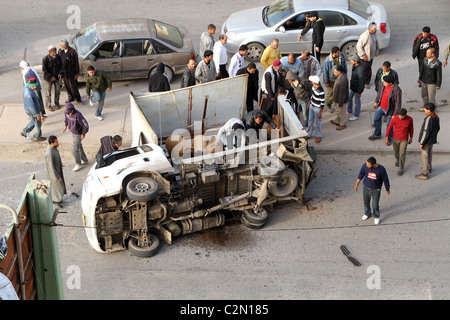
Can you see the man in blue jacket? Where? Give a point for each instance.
(33, 106)
(373, 176)
(335, 58)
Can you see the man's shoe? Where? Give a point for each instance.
(421, 176)
(341, 127)
(400, 172)
(39, 139)
(84, 162)
(353, 118)
(318, 139)
(100, 118)
(334, 122)
(57, 107)
(376, 220)
(373, 137)
(77, 167)
(365, 217)
(23, 134)
(49, 108)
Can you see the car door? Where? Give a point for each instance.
(106, 57)
(337, 27)
(288, 31)
(134, 61)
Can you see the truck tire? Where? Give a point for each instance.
(144, 252)
(256, 216)
(286, 185)
(272, 171)
(142, 189)
(251, 225)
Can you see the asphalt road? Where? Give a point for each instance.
(297, 255)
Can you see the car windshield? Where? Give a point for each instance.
(277, 11)
(361, 8)
(86, 39)
(169, 34)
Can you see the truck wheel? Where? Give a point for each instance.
(256, 216)
(142, 189)
(272, 170)
(144, 252)
(286, 185)
(251, 225)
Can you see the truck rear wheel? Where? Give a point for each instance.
(286, 185)
(147, 251)
(254, 219)
(142, 189)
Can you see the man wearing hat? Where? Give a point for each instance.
(428, 137)
(388, 102)
(30, 73)
(97, 81)
(356, 87)
(70, 70)
(51, 67)
(270, 82)
(32, 105)
(316, 107)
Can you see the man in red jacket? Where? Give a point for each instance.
(403, 130)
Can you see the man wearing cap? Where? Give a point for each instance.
(367, 47)
(403, 129)
(340, 98)
(78, 126)
(270, 82)
(428, 137)
(270, 54)
(335, 58)
(388, 102)
(33, 106)
(29, 73)
(206, 69)
(318, 27)
(70, 70)
(356, 87)
(51, 67)
(316, 107)
(97, 81)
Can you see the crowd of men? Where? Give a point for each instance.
(299, 78)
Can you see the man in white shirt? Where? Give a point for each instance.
(221, 57)
(227, 133)
(237, 61)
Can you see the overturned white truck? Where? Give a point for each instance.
(154, 191)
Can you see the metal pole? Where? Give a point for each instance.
(19, 249)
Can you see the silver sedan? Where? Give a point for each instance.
(345, 21)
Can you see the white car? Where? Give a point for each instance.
(345, 21)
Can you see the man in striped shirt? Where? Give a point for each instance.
(316, 107)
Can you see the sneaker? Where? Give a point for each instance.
(84, 162)
(353, 118)
(57, 107)
(23, 134)
(39, 139)
(376, 220)
(365, 217)
(334, 122)
(421, 176)
(77, 167)
(99, 118)
(373, 137)
(341, 127)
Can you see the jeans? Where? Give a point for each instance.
(303, 104)
(379, 113)
(33, 124)
(357, 103)
(314, 116)
(374, 195)
(100, 98)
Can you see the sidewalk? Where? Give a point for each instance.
(117, 120)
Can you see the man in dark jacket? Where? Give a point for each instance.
(357, 82)
(428, 137)
(422, 42)
(318, 27)
(78, 126)
(340, 98)
(256, 119)
(188, 78)
(108, 144)
(430, 76)
(97, 81)
(70, 69)
(158, 81)
(388, 102)
(383, 71)
(51, 67)
(252, 84)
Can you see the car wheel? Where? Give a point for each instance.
(349, 50)
(142, 189)
(147, 251)
(167, 71)
(286, 185)
(255, 51)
